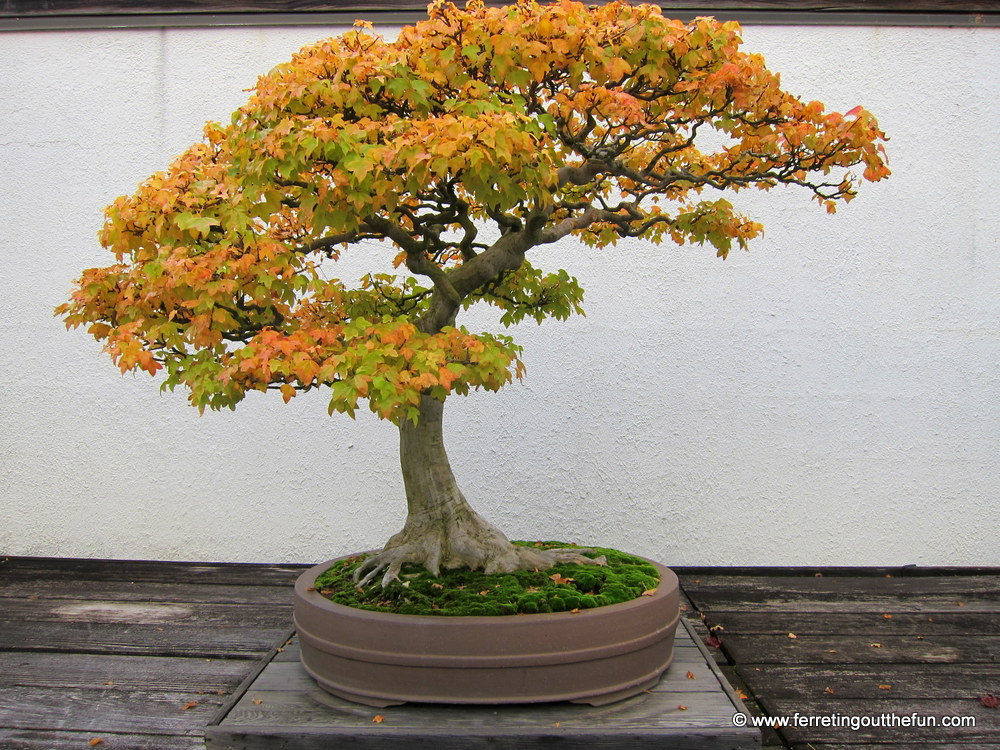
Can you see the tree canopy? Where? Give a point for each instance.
(474, 136)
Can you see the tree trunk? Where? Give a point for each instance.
(442, 530)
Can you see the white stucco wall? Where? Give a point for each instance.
(831, 397)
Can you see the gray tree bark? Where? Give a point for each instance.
(442, 530)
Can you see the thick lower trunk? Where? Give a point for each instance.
(442, 530)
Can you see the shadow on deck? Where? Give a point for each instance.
(143, 655)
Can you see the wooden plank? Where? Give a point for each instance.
(250, 641)
(871, 681)
(853, 586)
(285, 708)
(132, 711)
(148, 571)
(104, 671)
(689, 572)
(899, 746)
(718, 603)
(31, 739)
(987, 724)
(176, 614)
(956, 623)
(47, 588)
(852, 649)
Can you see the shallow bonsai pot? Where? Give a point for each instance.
(593, 656)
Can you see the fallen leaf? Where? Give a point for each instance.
(647, 592)
(886, 617)
(741, 695)
(876, 645)
(558, 578)
(189, 705)
(257, 701)
(437, 586)
(989, 700)
(484, 592)
(818, 575)
(716, 628)
(557, 724)
(885, 687)
(831, 651)
(378, 719)
(682, 708)
(829, 691)
(95, 742)
(959, 604)
(575, 611)
(690, 676)
(792, 635)
(713, 641)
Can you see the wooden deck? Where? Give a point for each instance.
(859, 643)
(144, 655)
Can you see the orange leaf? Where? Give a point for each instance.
(378, 719)
(189, 705)
(557, 577)
(690, 676)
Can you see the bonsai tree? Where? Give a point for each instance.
(474, 137)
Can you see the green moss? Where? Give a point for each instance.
(472, 592)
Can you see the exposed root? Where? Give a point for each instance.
(492, 557)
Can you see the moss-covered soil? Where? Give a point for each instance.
(565, 587)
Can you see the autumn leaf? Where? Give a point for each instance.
(189, 705)
(713, 641)
(468, 120)
(989, 700)
(559, 579)
(647, 592)
(682, 708)
(828, 690)
(95, 742)
(876, 645)
(378, 719)
(690, 675)
(885, 687)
